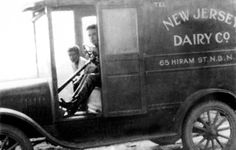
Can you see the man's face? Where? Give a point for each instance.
(74, 56)
(93, 36)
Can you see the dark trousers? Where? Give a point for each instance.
(84, 89)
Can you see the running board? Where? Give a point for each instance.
(113, 140)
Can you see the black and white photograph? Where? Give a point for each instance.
(118, 75)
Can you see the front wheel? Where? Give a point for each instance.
(12, 138)
(210, 126)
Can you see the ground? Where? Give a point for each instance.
(140, 145)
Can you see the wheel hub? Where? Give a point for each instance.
(211, 132)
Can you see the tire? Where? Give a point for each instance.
(210, 125)
(12, 138)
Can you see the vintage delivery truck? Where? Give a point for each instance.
(168, 72)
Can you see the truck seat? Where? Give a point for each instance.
(94, 101)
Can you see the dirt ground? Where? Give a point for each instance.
(140, 145)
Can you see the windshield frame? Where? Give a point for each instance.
(51, 77)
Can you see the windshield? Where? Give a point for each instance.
(42, 45)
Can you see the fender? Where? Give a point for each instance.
(193, 99)
(36, 126)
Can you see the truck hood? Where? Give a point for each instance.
(31, 97)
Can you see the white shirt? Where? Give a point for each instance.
(81, 63)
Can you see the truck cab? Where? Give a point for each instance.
(167, 72)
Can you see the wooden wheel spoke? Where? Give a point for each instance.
(199, 129)
(213, 144)
(4, 142)
(218, 141)
(221, 122)
(223, 129)
(206, 146)
(200, 142)
(13, 146)
(223, 136)
(203, 122)
(197, 134)
(216, 117)
(208, 116)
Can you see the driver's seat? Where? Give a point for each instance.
(94, 101)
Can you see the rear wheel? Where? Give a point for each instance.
(210, 126)
(12, 138)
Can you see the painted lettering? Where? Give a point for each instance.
(187, 40)
(195, 39)
(200, 13)
(229, 18)
(184, 15)
(226, 36)
(168, 23)
(222, 37)
(159, 4)
(204, 13)
(202, 59)
(212, 58)
(177, 40)
(218, 37)
(208, 37)
(235, 23)
(189, 61)
(229, 57)
(197, 15)
(219, 58)
(175, 18)
(221, 16)
(213, 14)
(182, 61)
(200, 38)
(164, 62)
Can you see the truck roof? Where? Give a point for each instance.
(58, 3)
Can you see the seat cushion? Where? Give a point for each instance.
(94, 101)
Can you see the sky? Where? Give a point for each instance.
(17, 55)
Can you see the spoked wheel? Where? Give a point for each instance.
(12, 138)
(210, 126)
